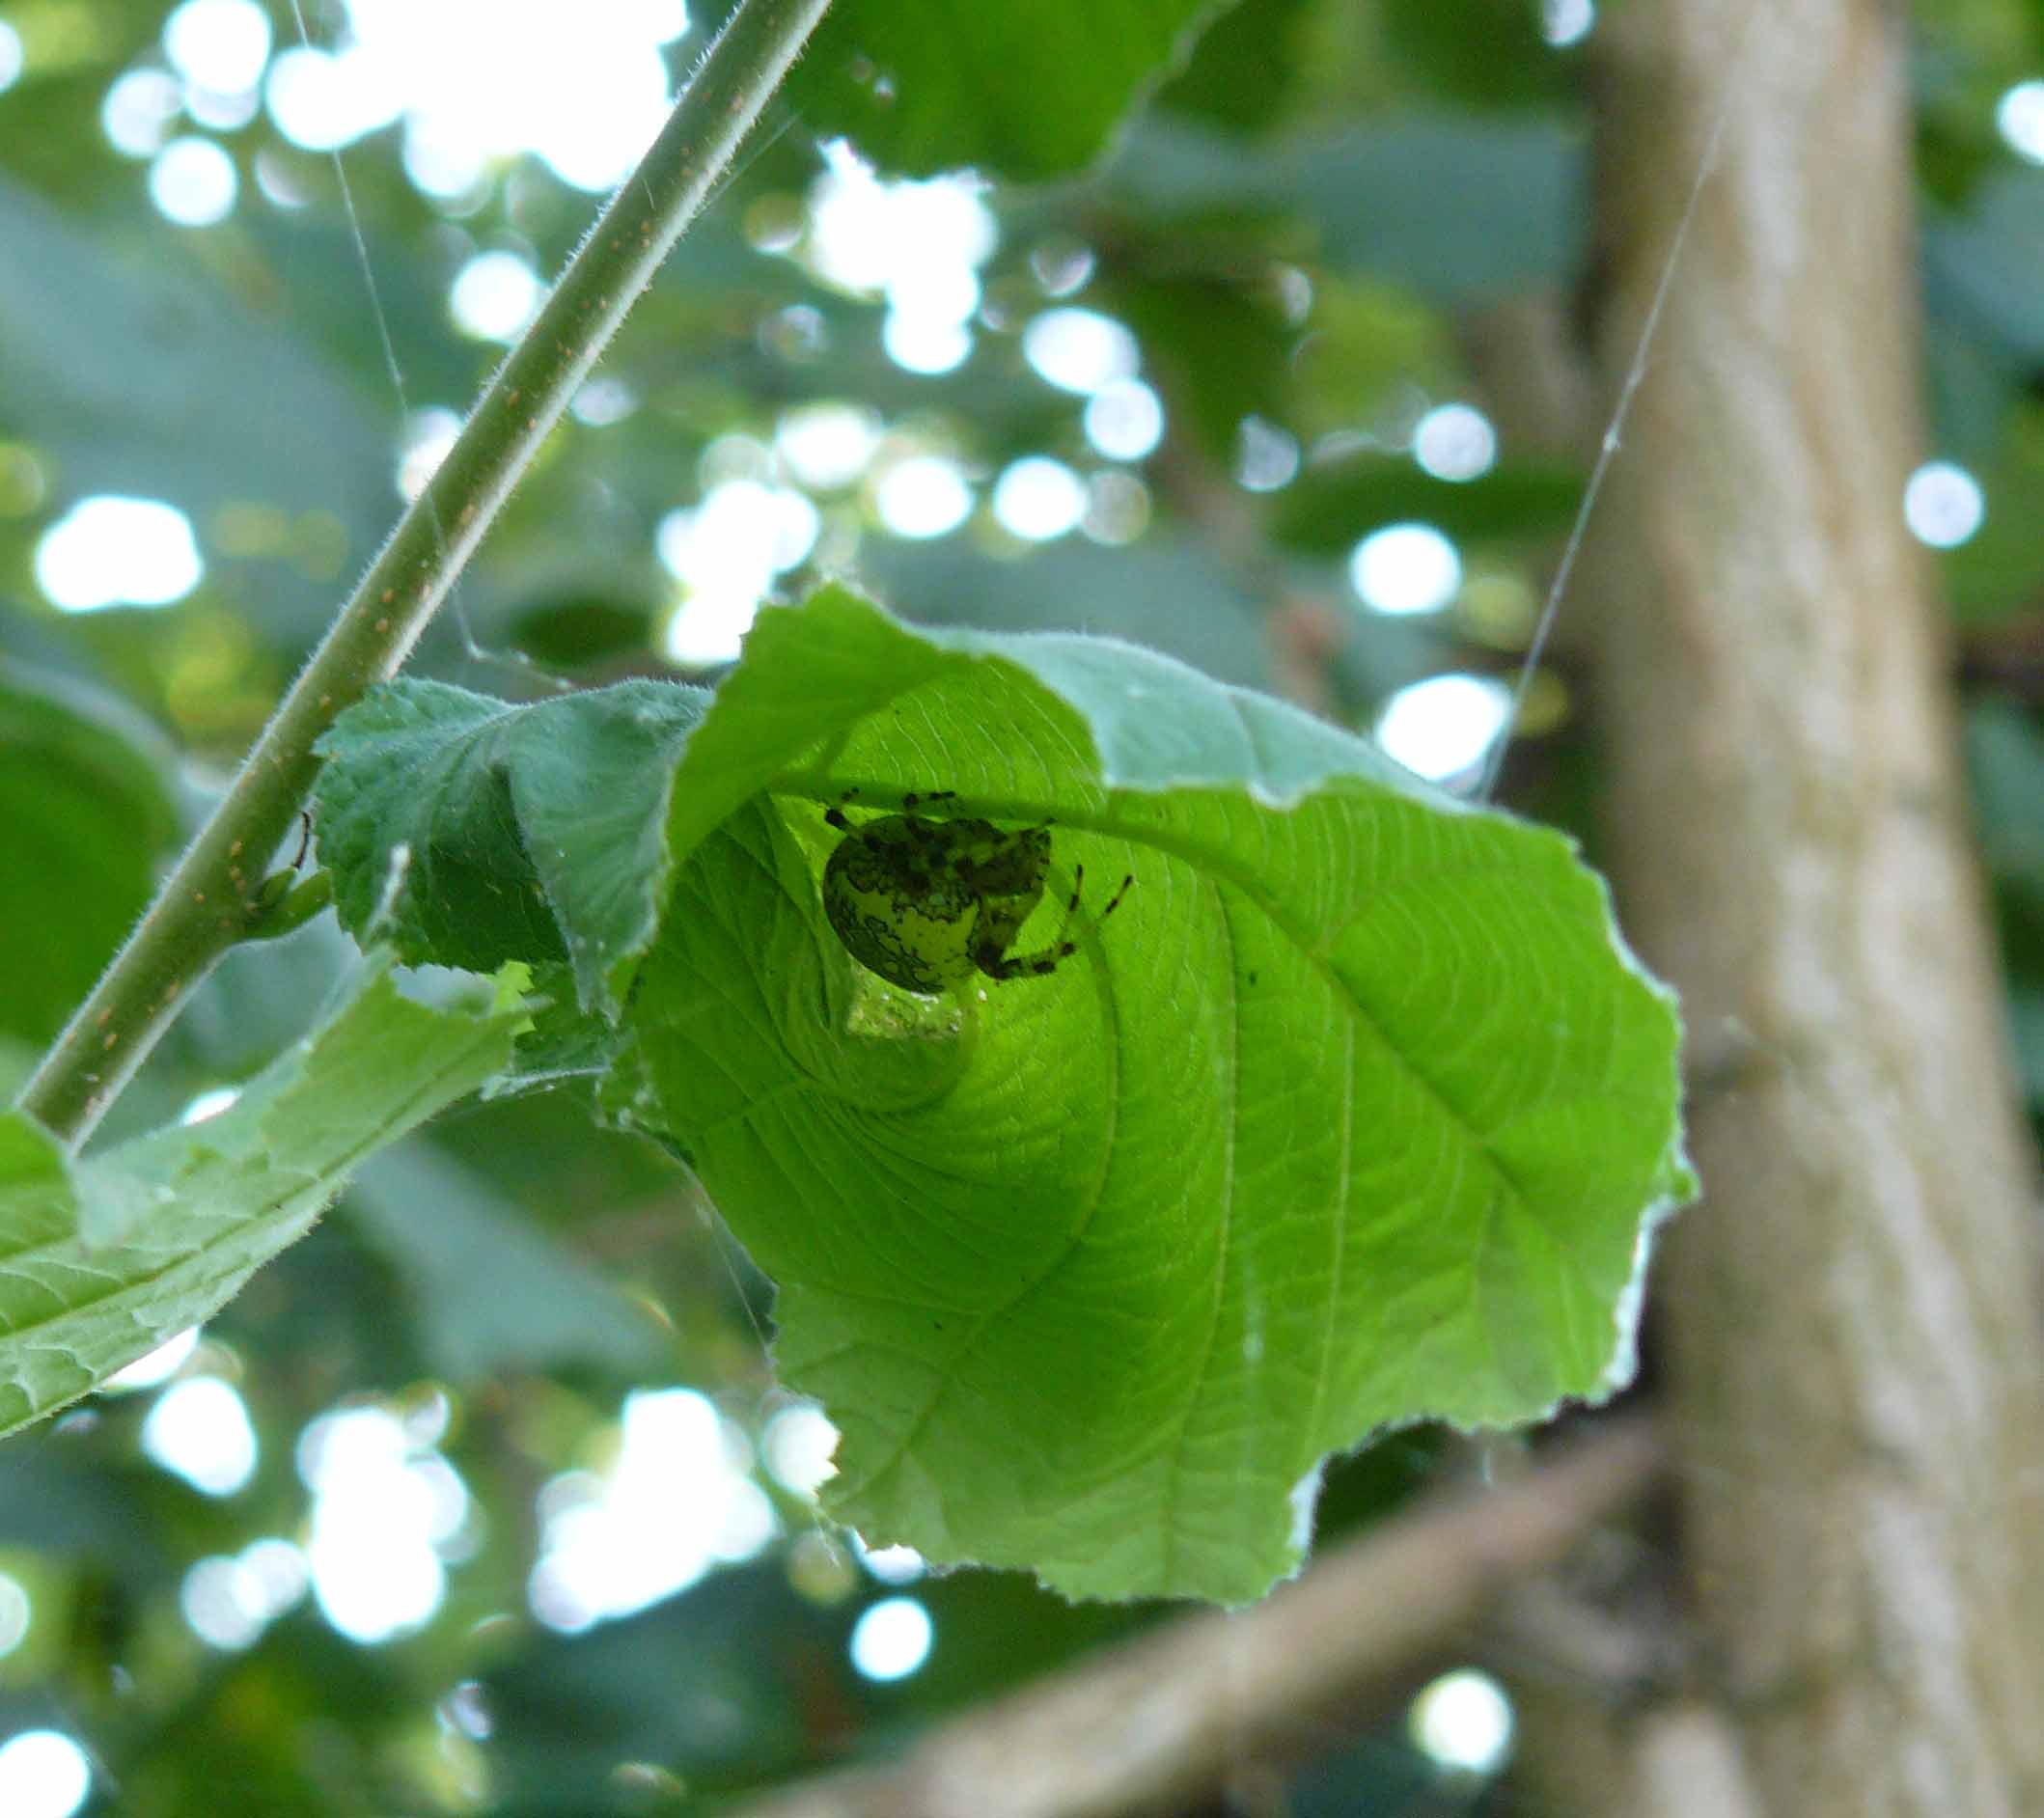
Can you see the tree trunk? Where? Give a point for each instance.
(1850, 1320)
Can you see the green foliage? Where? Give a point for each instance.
(1982, 261)
(169, 417)
(1167, 594)
(1482, 51)
(2004, 753)
(1334, 506)
(1319, 208)
(930, 88)
(501, 1296)
(1352, 1116)
(1245, 68)
(1500, 208)
(429, 782)
(103, 1260)
(87, 809)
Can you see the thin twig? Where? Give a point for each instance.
(1150, 1724)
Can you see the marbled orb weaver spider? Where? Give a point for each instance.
(927, 903)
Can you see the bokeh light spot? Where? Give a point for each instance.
(210, 1103)
(444, 164)
(15, 1611)
(108, 550)
(928, 345)
(1405, 569)
(1463, 1720)
(42, 1774)
(918, 245)
(892, 1639)
(734, 456)
(137, 111)
(766, 530)
(1566, 22)
(922, 496)
(154, 1367)
(218, 44)
(12, 59)
(200, 1429)
(906, 240)
(1080, 350)
(1942, 504)
(726, 553)
(477, 83)
(322, 101)
(229, 1602)
(1456, 442)
(797, 1445)
(221, 113)
(193, 182)
(1117, 508)
(1440, 728)
(892, 1566)
(604, 400)
(1267, 455)
(214, 1609)
(2019, 117)
(428, 437)
(1060, 265)
(384, 1503)
(494, 295)
(1036, 498)
(1124, 419)
(829, 445)
(674, 1501)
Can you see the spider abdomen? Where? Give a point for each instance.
(926, 903)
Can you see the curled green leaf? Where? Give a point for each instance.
(1357, 1112)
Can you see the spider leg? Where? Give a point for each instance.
(835, 815)
(1047, 959)
(911, 804)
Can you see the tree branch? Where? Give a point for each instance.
(211, 900)
(1177, 1711)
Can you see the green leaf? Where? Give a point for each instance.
(1167, 593)
(1246, 66)
(1222, 350)
(1330, 507)
(2026, 1028)
(1458, 209)
(1357, 1111)
(466, 832)
(1477, 51)
(2004, 767)
(1980, 266)
(100, 1261)
(1998, 571)
(1023, 93)
(138, 377)
(493, 1292)
(85, 810)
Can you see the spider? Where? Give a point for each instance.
(925, 902)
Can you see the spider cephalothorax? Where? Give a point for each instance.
(927, 903)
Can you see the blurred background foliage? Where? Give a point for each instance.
(482, 1500)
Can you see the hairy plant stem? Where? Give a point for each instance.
(212, 900)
